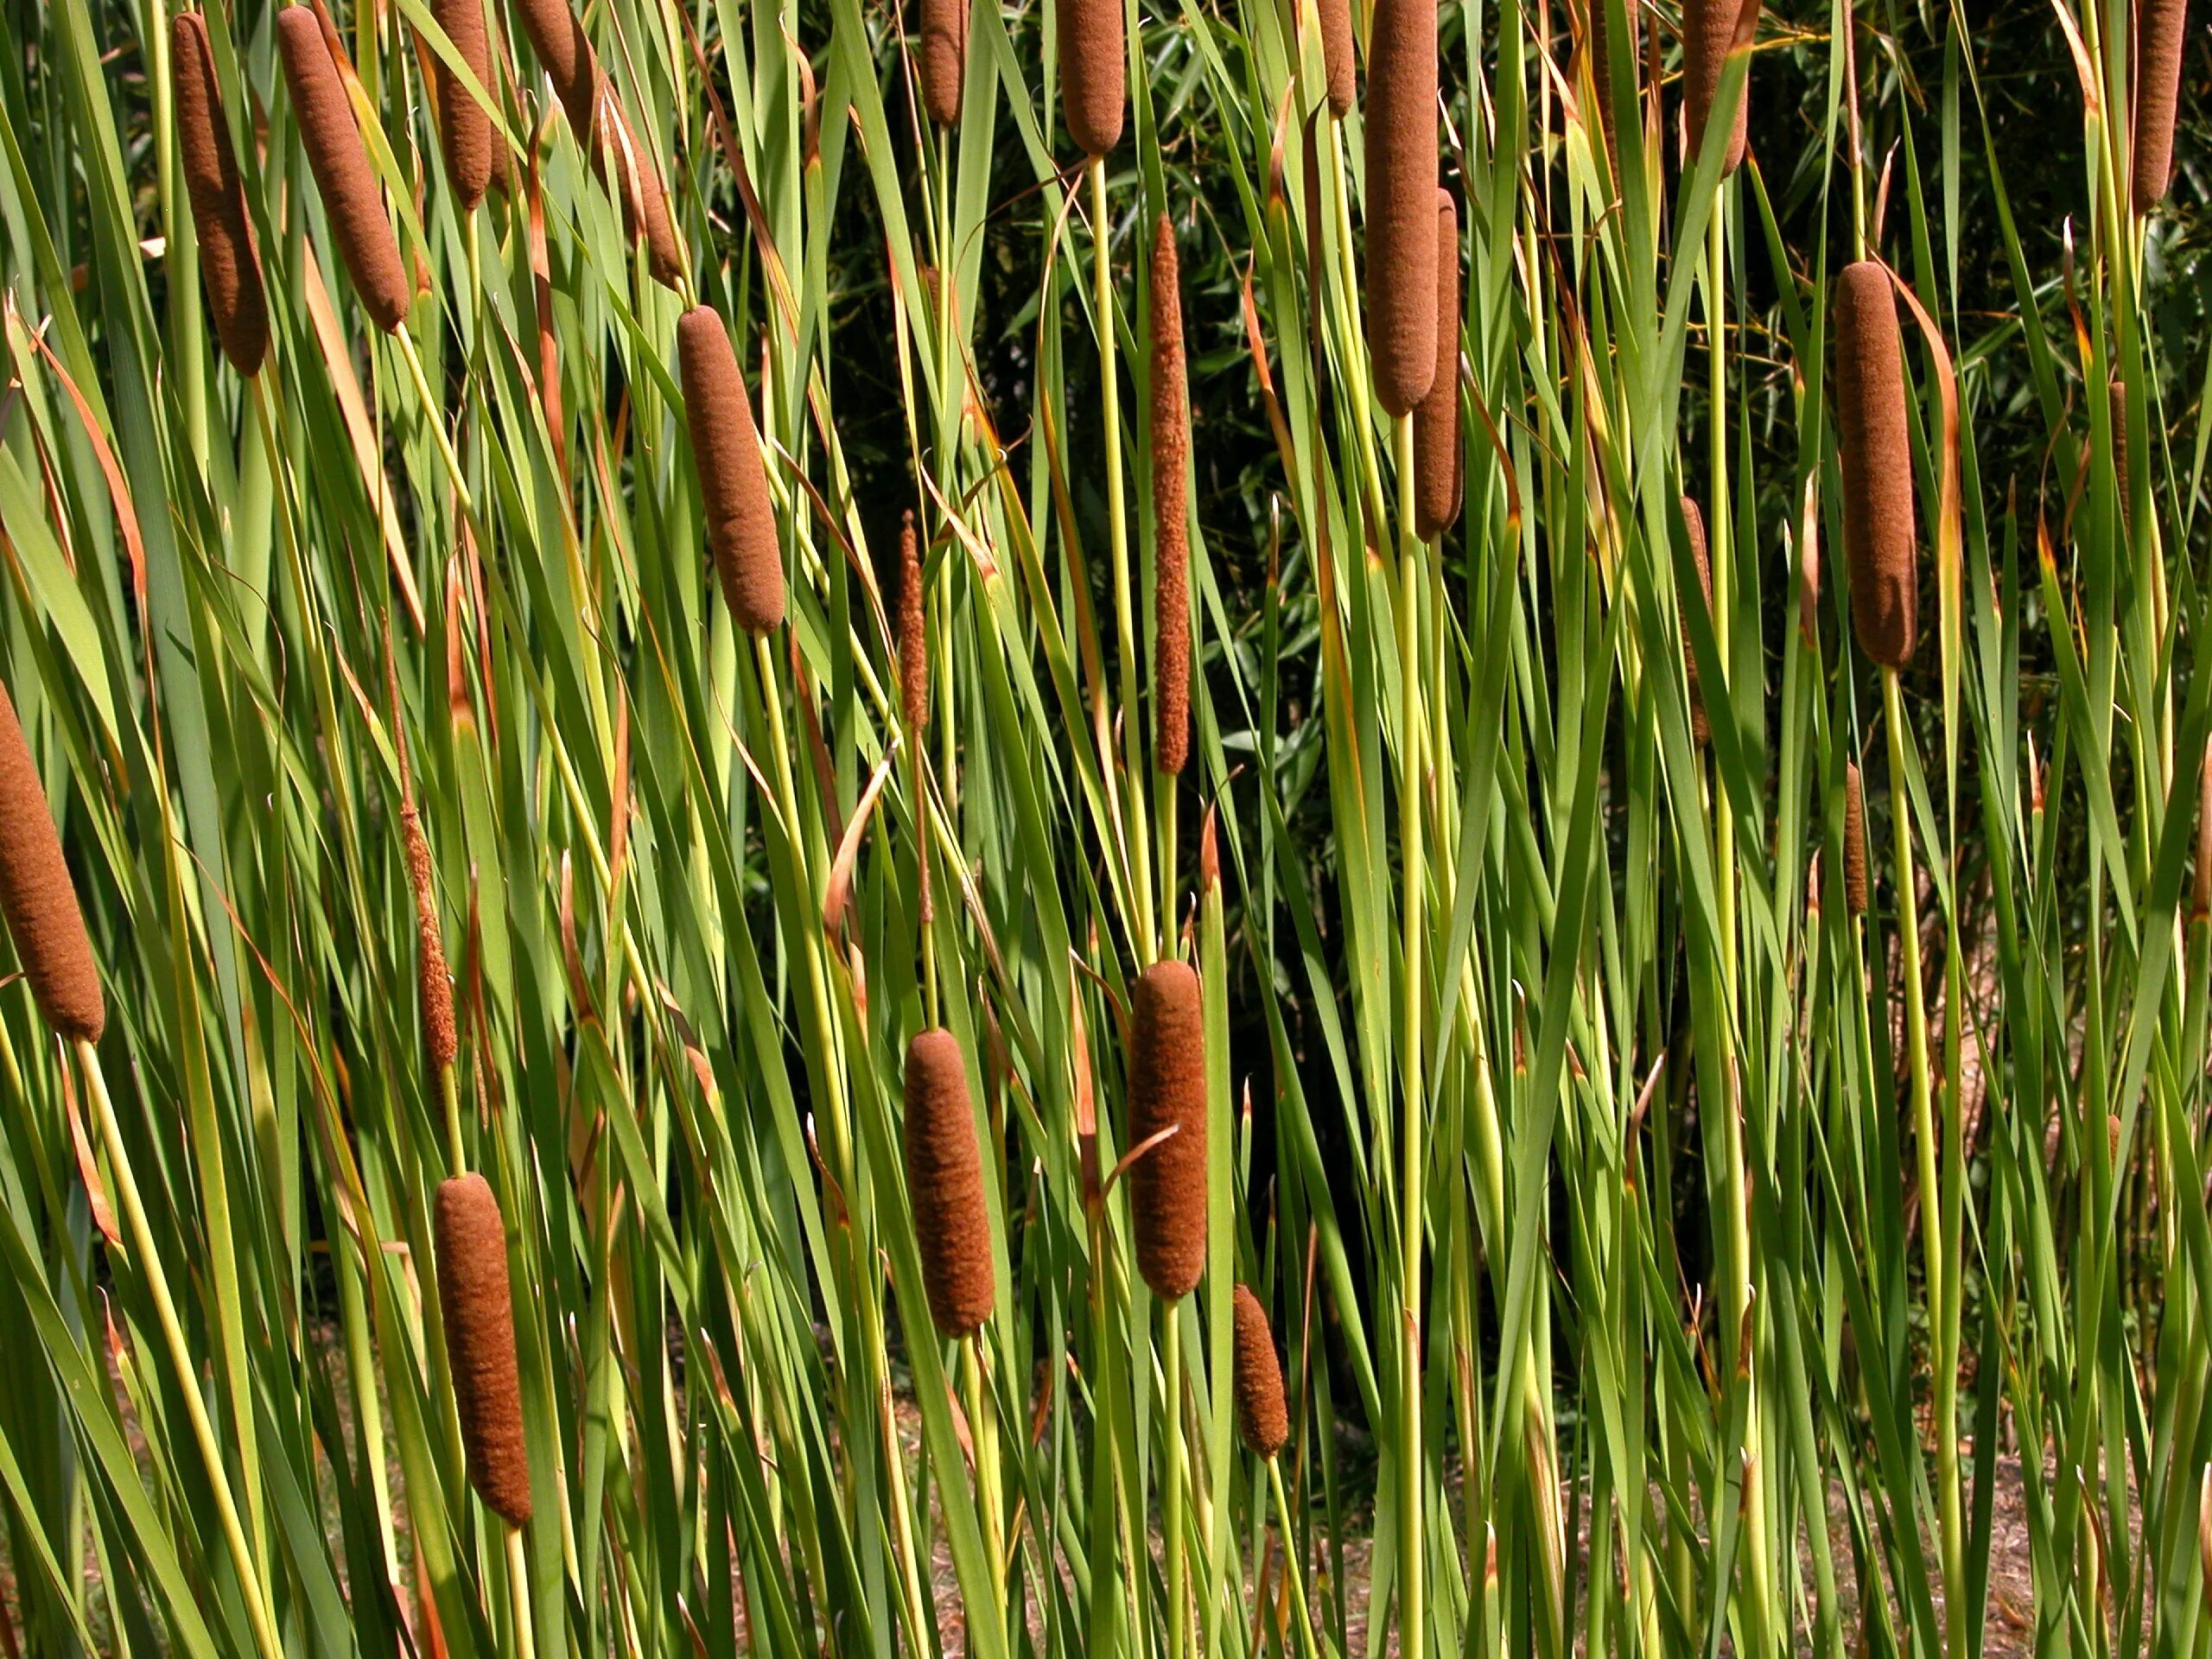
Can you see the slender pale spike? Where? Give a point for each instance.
(1094, 76)
(1877, 455)
(1338, 58)
(229, 265)
(464, 125)
(1263, 1418)
(1168, 1095)
(1402, 160)
(1855, 891)
(944, 59)
(1694, 525)
(2161, 32)
(733, 474)
(1171, 450)
(38, 899)
(1708, 30)
(945, 1181)
(556, 34)
(478, 1308)
(637, 185)
(1439, 457)
(435, 984)
(341, 165)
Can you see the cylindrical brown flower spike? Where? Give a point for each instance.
(2160, 31)
(1167, 1091)
(944, 1180)
(1855, 891)
(913, 630)
(1336, 56)
(733, 475)
(1401, 201)
(440, 1042)
(1876, 456)
(37, 899)
(944, 58)
(1708, 30)
(464, 125)
(2118, 398)
(637, 187)
(1262, 1420)
(1170, 452)
(479, 1321)
(1694, 524)
(557, 36)
(1438, 459)
(341, 169)
(1094, 80)
(230, 267)
(1601, 68)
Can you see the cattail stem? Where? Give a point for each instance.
(518, 1581)
(1172, 1495)
(181, 1355)
(1412, 1563)
(984, 1433)
(1294, 1568)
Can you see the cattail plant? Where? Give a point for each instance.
(1438, 458)
(464, 125)
(944, 59)
(1167, 1097)
(637, 185)
(434, 984)
(1601, 68)
(475, 1301)
(2161, 31)
(1170, 452)
(1708, 31)
(1262, 1420)
(556, 34)
(342, 169)
(1402, 159)
(1094, 80)
(1876, 457)
(733, 475)
(944, 1180)
(38, 899)
(1855, 892)
(1693, 526)
(229, 265)
(1338, 61)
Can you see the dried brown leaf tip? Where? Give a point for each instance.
(38, 899)
(478, 1308)
(1167, 1098)
(1263, 1418)
(1877, 455)
(351, 198)
(229, 265)
(945, 1180)
(1170, 455)
(733, 475)
(1401, 164)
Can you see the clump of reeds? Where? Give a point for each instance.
(1693, 526)
(342, 169)
(440, 1042)
(733, 474)
(1438, 458)
(557, 33)
(1171, 450)
(1876, 457)
(1263, 1419)
(37, 898)
(945, 1180)
(477, 1309)
(1708, 31)
(464, 125)
(637, 186)
(1167, 1098)
(1401, 156)
(1855, 892)
(944, 58)
(229, 265)
(2160, 32)
(1338, 61)
(1094, 79)
(1601, 68)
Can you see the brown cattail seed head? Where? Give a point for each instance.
(1854, 841)
(1337, 59)
(479, 1321)
(1168, 1091)
(1401, 201)
(2119, 397)
(1708, 30)
(440, 1044)
(1601, 68)
(2160, 32)
(637, 184)
(464, 125)
(1262, 1421)
(1094, 84)
(913, 631)
(230, 267)
(37, 899)
(1170, 452)
(1438, 459)
(341, 169)
(733, 477)
(1876, 456)
(557, 36)
(944, 1178)
(1694, 525)
(944, 58)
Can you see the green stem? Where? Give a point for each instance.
(1293, 1570)
(519, 1585)
(1411, 1563)
(1170, 1506)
